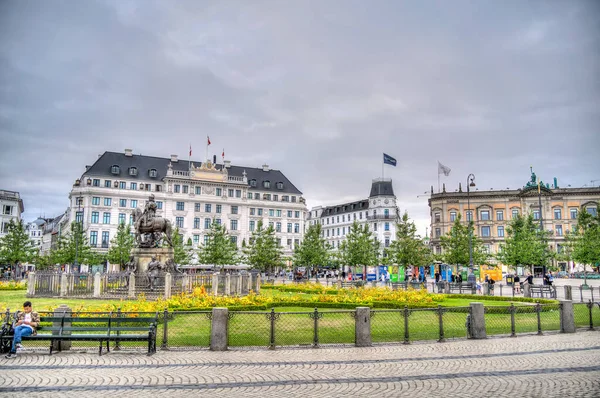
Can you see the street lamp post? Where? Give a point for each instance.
(470, 183)
(541, 229)
(76, 263)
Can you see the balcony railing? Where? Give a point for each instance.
(382, 217)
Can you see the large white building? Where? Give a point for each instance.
(11, 205)
(379, 211)
(190, 194)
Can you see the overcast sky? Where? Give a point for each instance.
(317, 89)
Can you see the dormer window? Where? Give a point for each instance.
(115, 169)
(152, 173)
(133, 171)
(252, 182)
(280, 185)
(267, 184)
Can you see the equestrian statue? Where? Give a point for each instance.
(148, 228)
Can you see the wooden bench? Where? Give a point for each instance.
(467, 288)
(113, 327)
(542, 291)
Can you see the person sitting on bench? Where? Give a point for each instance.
(27, 322)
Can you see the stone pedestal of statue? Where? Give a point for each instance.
(143, 256)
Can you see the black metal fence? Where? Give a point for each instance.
(191, 330)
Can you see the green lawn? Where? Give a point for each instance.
(295, 326)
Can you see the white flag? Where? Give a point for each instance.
(443, 169)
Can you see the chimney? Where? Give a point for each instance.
(227, 163)
(128, 152)
(174, 158)
(265, 167)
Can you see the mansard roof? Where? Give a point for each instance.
(103, 168)
(381, 188)
(345, 208)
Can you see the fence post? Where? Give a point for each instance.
(239, 285)
(272, 317)
(406, 314)
(513, 329)
(447, 287)
(97, 285)
(567, 316)
(568, 292)
(440, 311)
(64, 281)
(168, 282)
(500, 289)
(485, 287)
(165, 329)
(118, 343)
(478, 321)
(590, 306)
(581, 293)
(219, 329)
(215, 284)
(185, 281)
(249, 282)
(131, 292)
(316, 316)
(362, 327)
(31, 285)
(257, 290)
(538, 310)
(228, 284)
(339, 283)
(527, 290)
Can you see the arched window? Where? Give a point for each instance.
(115, 169)
(152, 173)
(267, 184)
(253, 182)
(280, 185)
(133, 171)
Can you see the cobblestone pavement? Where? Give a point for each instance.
(554, 365)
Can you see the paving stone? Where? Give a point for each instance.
(553, 365)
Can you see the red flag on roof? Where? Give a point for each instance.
(208, 138)
(223, 154)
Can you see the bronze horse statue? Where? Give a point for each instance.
(153, 230)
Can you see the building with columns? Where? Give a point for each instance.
(493, 210)
(11, 205)
(379, 211)
(190, 194)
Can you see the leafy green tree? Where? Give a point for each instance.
(585, 241)
(263, 252)
(72, 246)
(408, 247)
(525, 244)
(121, 245)
(219, 250)
(16, 246)
(313, 250)
(456, 245)
(360, 248)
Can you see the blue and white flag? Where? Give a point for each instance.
(387, 159)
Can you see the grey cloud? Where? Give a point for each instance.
(316, 89)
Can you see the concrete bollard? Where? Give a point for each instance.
(168, 283)
(62, 310)
(527, 290)
(97, 285)
(477, 325)
(64, 283)
(215, 284)
(362, 327)
(31, 285)
(131, 291)
(567, 316)
(568, 292)
(219, 329)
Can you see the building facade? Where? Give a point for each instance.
(190, 194)
(379, 211)
(12, 207)
(492, 211)
(35, 230)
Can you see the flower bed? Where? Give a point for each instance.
(13, 285)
